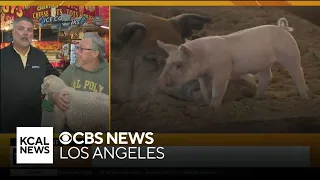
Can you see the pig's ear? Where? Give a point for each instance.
(167, 47)
(186, 23)
(132, 34)
(186, 51)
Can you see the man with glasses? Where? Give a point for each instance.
(23, 69)
(89, 73)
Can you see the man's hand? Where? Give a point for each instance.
(61, 99)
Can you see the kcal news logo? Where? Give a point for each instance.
(34, 145)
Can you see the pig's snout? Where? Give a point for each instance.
(163, 82)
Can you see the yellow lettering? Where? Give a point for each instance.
(74, 84)
(5, 9)
(12, 9)
(72, 13)
(78, 84)
(86, 84)
(59, 12)
(93, 86)
(100, 88)
(39, 8)
(19, 13)
(37, 15)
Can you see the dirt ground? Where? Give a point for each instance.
(281, 111)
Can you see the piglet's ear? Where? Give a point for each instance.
(161, 44)
(186, 51)
(167, 47)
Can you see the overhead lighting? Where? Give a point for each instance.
(105, 27)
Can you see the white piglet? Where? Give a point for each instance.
(236, 55)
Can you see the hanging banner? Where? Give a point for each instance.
(10, 13)
(62, 22)
(36, 12)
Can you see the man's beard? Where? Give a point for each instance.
(23, 43)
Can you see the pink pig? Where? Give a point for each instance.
(237, 55)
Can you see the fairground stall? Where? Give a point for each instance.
(58, 29)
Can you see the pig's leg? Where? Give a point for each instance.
(296, 72)
(59, 120)
(298, 78)
(264, 78)
(219, 86)
(204, 90)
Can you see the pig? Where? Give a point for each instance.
(136, 59)
(88, 111)
(241, 54)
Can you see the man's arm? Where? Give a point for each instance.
(58, 97)
(66, 75)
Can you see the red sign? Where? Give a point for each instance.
(104, 12)
(36, 12)
(10, 13)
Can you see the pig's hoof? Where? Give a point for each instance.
(215, 104)
(215, 107)
(306, 96)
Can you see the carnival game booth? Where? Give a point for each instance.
(58, 29)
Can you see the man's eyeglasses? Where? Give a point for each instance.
(80, 49)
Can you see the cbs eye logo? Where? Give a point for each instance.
(65, 138)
